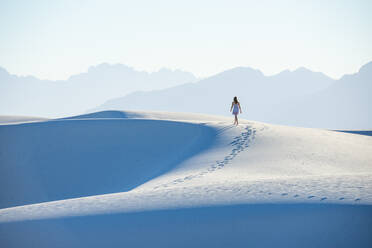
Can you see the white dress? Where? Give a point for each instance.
(235, 109)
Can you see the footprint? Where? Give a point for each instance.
(323, 198)
(269, 193)
(341, 198)
(296, 195)
(357, 199)
(284, 194)
(310, 197)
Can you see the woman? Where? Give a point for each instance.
(235, 108)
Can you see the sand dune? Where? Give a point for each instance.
(148, 172)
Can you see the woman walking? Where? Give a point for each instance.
(235, 108)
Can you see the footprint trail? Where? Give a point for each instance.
(238, 145)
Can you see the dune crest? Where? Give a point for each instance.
(111, 172)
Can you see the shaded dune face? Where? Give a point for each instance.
(62, 159)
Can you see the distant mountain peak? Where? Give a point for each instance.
(167, 70)
(364, 71)
(106, 66)
(3, 71)
(302, 69)
(367, 68)
(242, 70)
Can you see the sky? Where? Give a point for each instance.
(56, 39)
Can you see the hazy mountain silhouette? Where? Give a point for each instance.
(346, 104)
(259, 94)
(31, 96)
(300, 97)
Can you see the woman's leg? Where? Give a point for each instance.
(236, 120)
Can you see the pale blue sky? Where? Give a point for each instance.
(55, 39)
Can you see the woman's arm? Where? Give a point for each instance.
(232, 104)
(240, 108)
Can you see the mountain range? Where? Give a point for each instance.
(32, 96)
(298, 98)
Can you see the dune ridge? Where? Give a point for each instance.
(112, 166)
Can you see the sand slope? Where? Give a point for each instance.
(118, 165)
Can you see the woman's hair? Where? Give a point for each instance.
(235, 100)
